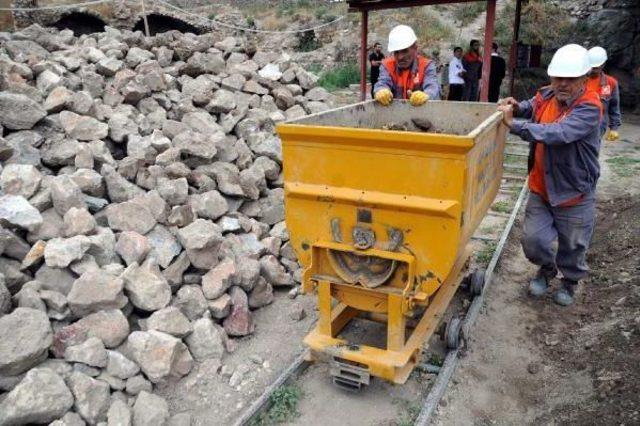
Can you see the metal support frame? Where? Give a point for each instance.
(403, 349)
(513, 53)
(364, 30)
(488, 41)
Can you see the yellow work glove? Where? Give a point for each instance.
(613, 135)
(418, 98)
(384, 97)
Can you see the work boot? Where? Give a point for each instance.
(564, 295)
(539, 285)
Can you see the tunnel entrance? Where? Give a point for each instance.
(80, 23)
(162, 23)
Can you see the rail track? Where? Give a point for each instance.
(488, 243)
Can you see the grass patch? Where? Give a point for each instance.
(514, 159)
(284, 403)
(467, 12)
(624, 166)
(502, 206)
(408, 412)
(340, 77)
(435, 359)
(483, 256)
(487, 230)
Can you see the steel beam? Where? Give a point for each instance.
(363, 54)
(488, 40)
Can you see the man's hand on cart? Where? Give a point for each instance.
(418, 98)
(384, 97)
(507, 114)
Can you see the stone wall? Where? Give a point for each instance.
(614, 25)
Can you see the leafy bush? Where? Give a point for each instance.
(340, 77)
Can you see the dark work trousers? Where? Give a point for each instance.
(494, 92)
(470, 92)
(373, 83)
(571, 227)
(455, 92)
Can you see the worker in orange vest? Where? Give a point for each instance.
(406, 74)
(607, 87)
(562, 126)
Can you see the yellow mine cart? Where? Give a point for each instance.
(380, 220)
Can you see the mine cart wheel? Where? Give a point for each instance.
(476, 282)
(453, 333)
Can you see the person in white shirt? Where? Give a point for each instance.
(456, 72)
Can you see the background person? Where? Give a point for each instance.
(456, 74)
(472, 63)
(498, 71)
(375, 60)
(607, 87)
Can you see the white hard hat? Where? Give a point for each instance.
(597, 56)
(571, 60)
(401, 37)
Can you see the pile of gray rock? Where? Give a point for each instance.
(142, 213)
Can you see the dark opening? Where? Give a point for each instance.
(80, 23)
(162, 24)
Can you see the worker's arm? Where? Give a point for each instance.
(575, 127)
(614, 109)
(522, 109)
(430, 85)
(384, 81)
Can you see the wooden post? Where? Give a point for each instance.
(363, 54)
(513, 53)
(488, 41)
(144, 18)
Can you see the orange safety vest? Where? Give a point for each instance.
(409, 79)
(604, 85)
(549, 111)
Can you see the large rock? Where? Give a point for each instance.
(25, 337)
(65, 194)
(119, 414)
(261, 295)
(191, 301)
(120, 366)
(165, 246)
(132, 247)
(130, 216)
(41, 397)
(20, 179)
(78, 222)
(239, 322)
(92, 397)
(150, 410)
(95, 291)
(206, 341)
(19, 111)
(171, 321)
(55, 279)
(15, 210)
(274, 272)
(110, 326)
(60, 252)
(209, 205)
(200, 234)
(159, 355)
(118, 188)
(82, 127)
(216, 282)
(91, 352)
(146, 287)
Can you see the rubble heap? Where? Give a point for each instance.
(142, 213)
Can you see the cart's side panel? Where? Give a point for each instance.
(484, 175)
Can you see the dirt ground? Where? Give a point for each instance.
(532, 362)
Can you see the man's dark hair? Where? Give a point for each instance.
(474, 41)
(457, 48)
(376, 44)
(494, 45)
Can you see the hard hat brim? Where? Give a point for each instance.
(597, 64)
